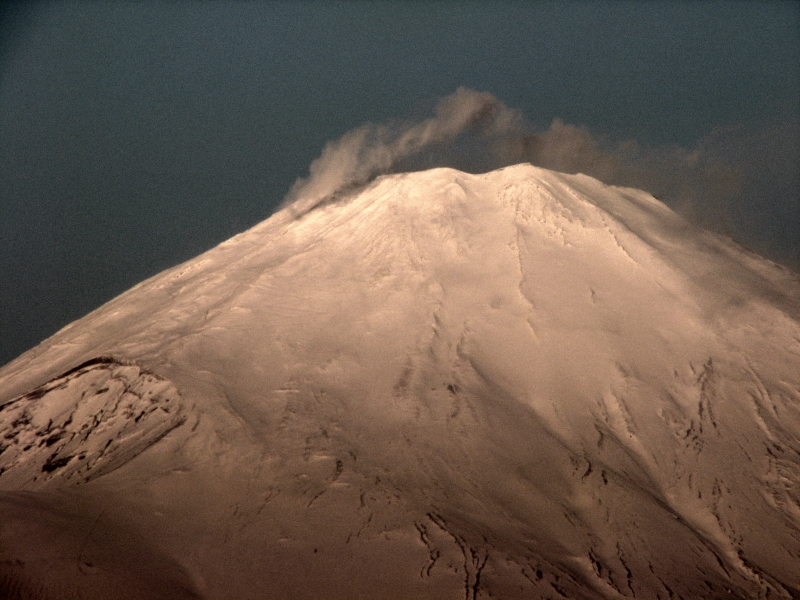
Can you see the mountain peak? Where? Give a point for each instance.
(519, 384)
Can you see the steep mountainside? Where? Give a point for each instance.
(521, 384)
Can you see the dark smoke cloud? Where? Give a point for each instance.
(697, 182)
(722, 183)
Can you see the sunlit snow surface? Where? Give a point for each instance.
(521, 384)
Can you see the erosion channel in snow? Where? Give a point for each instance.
(521, 384)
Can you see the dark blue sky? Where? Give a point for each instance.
(134, 136)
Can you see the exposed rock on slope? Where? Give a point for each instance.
(83, 424)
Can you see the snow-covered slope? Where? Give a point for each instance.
(521, 384)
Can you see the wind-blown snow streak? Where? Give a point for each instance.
(522, 384)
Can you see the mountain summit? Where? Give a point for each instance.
(521, 384)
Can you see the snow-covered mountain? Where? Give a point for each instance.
(521, 384)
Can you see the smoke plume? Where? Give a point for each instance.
(718, 183)
(371, 149)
